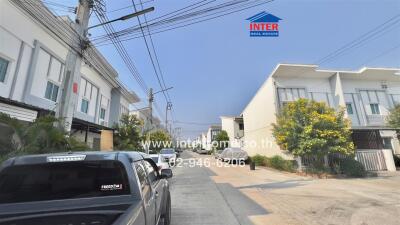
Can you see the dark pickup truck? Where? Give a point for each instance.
(86, 188)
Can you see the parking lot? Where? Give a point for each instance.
(236, 195)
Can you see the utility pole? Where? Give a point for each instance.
(73, 66)
(151, 99)
(168, 107)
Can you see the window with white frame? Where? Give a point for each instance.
(124, 110)
(88, 94)
(3, 69)
(349, 108)
(51, 91)
(286, 95)
(102, 113)
(375, 109)
(85, 106)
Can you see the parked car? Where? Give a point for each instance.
(178, 152)
(217, 154)
(202, 151)
(160, 161)
(115, 188)
(233, 154)
(169, 154)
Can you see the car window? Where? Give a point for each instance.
(151, 172)
(143, 182)
(155, 159)
(63, 180)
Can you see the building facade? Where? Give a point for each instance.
(33, 54)
(234, 127)
(150, 122)
(367, 95)
(212, 132)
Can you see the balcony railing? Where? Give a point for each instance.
(376, 120)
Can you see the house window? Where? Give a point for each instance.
(84, 106)
(375, 109)
(349, 108)
(51, 91)
(3, 69)
(241, 126)
(102, 113)
(387, 143)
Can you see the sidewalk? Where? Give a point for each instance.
(295, 200)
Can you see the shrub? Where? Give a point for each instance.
(280, 163)
(352, 168)
(259, 160)
(276, 162)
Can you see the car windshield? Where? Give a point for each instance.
(167, 151)
(64, 180)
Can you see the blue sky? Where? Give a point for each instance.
(216, 68)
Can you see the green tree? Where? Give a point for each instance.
(393, 120)
(127, 134)
(222, 139)
(159, 139)
(307, 127)
(39, 137)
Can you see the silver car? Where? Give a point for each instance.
(233, 154)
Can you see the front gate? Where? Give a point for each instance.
(373, 160)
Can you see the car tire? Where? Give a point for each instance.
(167, 213)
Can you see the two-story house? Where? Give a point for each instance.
(150, 122)
(33, 55)
(367, 95)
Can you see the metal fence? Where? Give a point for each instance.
(373, 160)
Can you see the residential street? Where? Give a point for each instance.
(229, 195)
(197, 199)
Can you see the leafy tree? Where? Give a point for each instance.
(38, 137)
(393, 120)
(222, 139)
(307, 127)
(127, 134)
(159, 139)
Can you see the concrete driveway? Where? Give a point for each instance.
(235, 195)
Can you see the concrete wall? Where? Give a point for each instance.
(258, 117)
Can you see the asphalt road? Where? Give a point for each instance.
(197, 199)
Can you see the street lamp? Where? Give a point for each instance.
(127, 17)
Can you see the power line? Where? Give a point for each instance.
(365, 37)
(127, 7)
(163, 25)
(151, 57)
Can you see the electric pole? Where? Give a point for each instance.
(151, 99)
(73, 66)
(168, 107)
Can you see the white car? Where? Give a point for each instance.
(160, 161)
(233, 154)
(169, 154)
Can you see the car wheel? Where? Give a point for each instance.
(167, 213)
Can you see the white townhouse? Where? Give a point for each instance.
(212, 132)
(33, 53)
(234, 127)
(367, 95)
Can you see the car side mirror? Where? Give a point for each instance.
(166, 173)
